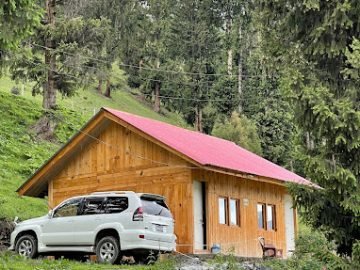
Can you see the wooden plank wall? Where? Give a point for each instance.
(129, 162)
(243, 239)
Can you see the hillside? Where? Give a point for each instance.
(21, 153)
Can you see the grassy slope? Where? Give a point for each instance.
(87, 101)
(21, 153)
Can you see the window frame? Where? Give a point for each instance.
(237, 207)
(273, 214)
(265, 216)
(226, 210)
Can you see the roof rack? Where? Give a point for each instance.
(113, 192)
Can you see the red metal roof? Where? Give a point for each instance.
(208, 150)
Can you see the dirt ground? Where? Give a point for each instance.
(209, 262)
(6, 228)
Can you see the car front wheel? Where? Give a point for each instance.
(26, 246)
(107, 250)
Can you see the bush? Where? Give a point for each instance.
(356, 253)
(313, 251)
(240, 130)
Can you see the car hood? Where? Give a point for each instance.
(33, 220)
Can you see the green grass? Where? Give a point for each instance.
(12, 262)
(88, 101)
(21, 153)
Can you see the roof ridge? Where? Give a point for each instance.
(171, 125)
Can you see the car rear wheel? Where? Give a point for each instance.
(108, 250)
(26, 246)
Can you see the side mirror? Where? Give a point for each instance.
(50, 214)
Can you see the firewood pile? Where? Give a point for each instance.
(6, 228)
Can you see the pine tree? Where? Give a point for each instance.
(68, 45)
(195, 41)
(315, 42)
(155, 55)
(17, 21)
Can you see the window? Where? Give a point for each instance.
(116, 205)
(68, 208)
(270, 217)
(155, 207)
(266, 215)
(223, 210)
(234, 212)
(93, 206)
(261, 215)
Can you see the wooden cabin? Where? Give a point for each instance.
(218, 192)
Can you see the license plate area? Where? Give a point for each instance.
(159, 228)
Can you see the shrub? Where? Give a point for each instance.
(313, 251)
(240, 130)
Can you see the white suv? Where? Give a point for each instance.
(105, 223)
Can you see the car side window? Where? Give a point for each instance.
(116, 204)
(93, 206)
(68, 209)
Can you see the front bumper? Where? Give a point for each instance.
(12, 240)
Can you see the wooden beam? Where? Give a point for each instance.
(245, 176)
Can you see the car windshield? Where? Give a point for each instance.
(155, 207)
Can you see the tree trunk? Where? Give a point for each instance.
(307, 138)
(141, 63)
(240, 70)
(157, 97)
(310, 144)
(49, 95)
(229, 23)
(157, 90)
(108, 89)
(99, 88)
(198, 119)
(230, 61)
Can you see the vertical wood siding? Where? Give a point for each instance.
(243, 239)
(129, 162)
